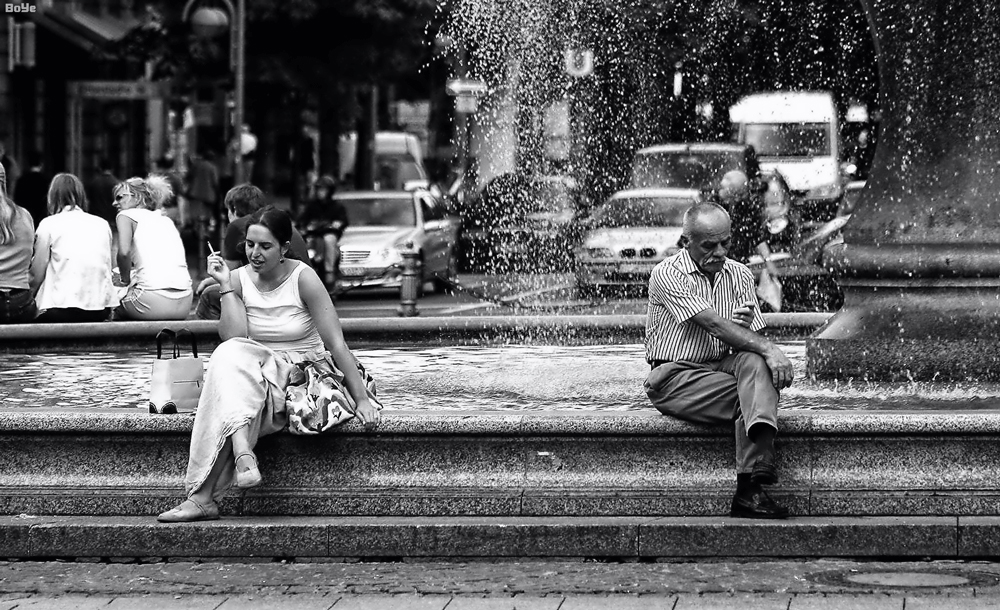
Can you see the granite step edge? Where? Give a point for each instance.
(390, 538)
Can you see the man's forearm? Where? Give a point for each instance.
(732, 334)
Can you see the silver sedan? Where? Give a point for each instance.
(384, 224)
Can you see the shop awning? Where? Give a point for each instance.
(88, 31)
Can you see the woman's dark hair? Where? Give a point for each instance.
(278, 222)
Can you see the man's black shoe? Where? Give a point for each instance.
(756, 504)
(765, 470)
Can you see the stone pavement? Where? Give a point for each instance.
(503, 585)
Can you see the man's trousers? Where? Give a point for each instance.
(737, 389)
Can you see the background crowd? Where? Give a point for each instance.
(108, 250)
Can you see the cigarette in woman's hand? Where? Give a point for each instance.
(211, 250)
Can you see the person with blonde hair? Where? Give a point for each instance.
(17, 236)
(71, 268)
(151, 259)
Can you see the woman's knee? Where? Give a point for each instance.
(228, 350)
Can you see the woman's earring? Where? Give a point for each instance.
(281, 260)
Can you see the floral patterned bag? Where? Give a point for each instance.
(317, 400)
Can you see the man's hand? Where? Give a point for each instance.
(743, 314)
(782, 372)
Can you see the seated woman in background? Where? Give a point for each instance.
(17, 237)
(71, 268)
(780, 219)
(151, 258)
(275, 313)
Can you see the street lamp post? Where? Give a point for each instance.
(205, 18)
(239, 46)
(466, 92)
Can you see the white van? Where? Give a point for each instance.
(399, 160)
(797, 134)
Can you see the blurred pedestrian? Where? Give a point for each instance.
(203, 190)
(782, 222)
(33, 187)
(151, 260)
(248, 152)
(225, 164)
(100, 192)
(241, 202)
(708, 363)
(746, 212)
(71, 267)
(10, 167)
(172, 206)
(323, 221)
(17, 236)
(749, 233)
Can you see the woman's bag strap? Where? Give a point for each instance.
(184, 332)
(169, 335)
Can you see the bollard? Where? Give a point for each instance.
(409, 286)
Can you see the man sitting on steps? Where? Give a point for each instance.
(241, 202)
(709, 365)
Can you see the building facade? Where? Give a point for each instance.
(62, 94)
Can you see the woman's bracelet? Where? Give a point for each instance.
(223, 293)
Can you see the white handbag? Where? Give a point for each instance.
(175, 384)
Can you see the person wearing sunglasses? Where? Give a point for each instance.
(151, 259)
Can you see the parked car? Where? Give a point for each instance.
(383, 224)
(628, 235)
(698, 166)
(521, 223)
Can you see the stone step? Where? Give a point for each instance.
(510, 464)
(390, 538)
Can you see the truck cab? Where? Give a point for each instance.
(399, 160)
(797, 134)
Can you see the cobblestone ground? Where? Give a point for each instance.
(555, 585)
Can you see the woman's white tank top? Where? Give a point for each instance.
(279, 318)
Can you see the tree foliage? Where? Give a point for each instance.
(301, 43)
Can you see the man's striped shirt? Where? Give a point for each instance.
(677, 292)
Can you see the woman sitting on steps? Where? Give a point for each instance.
(150, 253)
(275, 312)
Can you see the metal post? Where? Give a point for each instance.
(239, 27)
(409, 286)
(463, 125)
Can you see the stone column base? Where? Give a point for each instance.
(911, 330)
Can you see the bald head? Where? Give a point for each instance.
(734, 185)
(704, 216)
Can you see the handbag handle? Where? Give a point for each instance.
(184, 332)
(169, 334)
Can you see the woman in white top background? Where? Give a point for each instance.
(275, 312)
(151, 258)
(71, 267)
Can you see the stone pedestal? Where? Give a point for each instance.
(921, 260)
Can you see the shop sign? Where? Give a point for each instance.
(117, 90)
